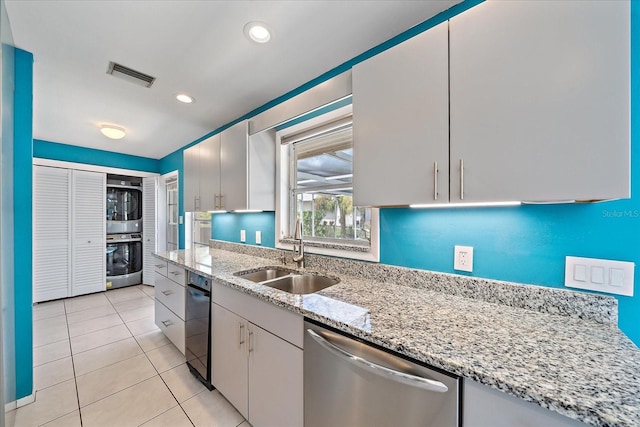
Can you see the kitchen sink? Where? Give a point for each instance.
(288, 280)
(264, 274)
(302, 283)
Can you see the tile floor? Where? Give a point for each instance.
(99, 360)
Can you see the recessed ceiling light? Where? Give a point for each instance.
(183, 97)
(257, 32)
(113, 132)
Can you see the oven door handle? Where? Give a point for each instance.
(374, 368)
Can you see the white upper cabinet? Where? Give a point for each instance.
(202, 175)
(231, 171)
(401, 123)
(540, 101)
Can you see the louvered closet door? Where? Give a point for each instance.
(51, 233)
(88, 264)
(149, 188)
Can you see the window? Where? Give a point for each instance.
(316, 172)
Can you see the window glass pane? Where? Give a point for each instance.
(323, 189)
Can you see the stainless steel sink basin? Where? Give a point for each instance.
(302, 283)
(263, 274)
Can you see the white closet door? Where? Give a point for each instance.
(51, 233)
(149, 189)
(88, 267)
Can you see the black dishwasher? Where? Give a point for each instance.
(198, 328)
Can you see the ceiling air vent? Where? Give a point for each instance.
(130, 75)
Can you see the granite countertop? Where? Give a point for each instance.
(586, 370)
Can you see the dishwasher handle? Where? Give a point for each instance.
(393, 375)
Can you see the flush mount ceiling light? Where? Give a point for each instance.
(257, 32)
(113, 132)
(183, 97)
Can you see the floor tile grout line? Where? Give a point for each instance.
(73, 367)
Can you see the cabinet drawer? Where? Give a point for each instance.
(160, 266)
(171, 295)
(171, 325)
(177, 274)
(279, 321)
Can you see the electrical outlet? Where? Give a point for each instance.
(258, 237)
(463, 258)
(243, 236)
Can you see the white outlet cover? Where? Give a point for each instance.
(258, 237)
(243, 236)
(463, 258)
(614, 277)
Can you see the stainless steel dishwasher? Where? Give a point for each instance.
(198, 328)
(349, 383)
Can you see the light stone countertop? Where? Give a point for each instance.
(583, 369)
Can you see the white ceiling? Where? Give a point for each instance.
(197, 47)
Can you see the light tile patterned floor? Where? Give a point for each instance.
(99, 360)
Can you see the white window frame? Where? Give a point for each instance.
(282, 198)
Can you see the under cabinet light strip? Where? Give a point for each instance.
(465, 205)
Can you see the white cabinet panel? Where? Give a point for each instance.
(88, 232)
(191, 171)
(229, 368)
(171, 325)
(540, 101)
(276, 381)
(51, 233)
(401, 123)
(149, 236)
(171, 295)
(218, 172)
(234, 167)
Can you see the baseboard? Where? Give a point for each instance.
(26, 400)
(8, 407)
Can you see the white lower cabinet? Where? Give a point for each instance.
(170, 297)
(260, 373)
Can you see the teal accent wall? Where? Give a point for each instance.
(7, 258)
(227, 226)
(22, 192)
(72, 153)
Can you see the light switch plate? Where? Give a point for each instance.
(243, 236)
(614, 277)
(258, 237)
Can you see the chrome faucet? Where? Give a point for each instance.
(298, 247)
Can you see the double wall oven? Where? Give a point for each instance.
(124, 231)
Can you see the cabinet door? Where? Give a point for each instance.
(149, 188)
(209, 173)
(51, 233)
(191, 168)
(540, 101)
(233, 167)
(401, 123)
(88, 260)
(228, 357)
(275, 381)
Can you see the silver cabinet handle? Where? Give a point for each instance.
(391, 374)
(159, 265)
(240, 334)
(176, 273)
(461, 179)
(166, 323)
(249, 344)
(196, 203)
(435, 180)
(221, 207)
(167, 293)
